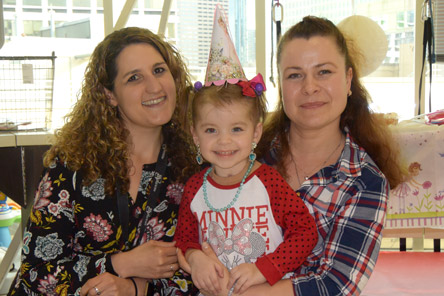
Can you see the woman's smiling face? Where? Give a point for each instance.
(314, 82)
(144, 88)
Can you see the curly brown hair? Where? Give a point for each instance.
(367, 130)
(93, 139)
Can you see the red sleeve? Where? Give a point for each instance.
(187, 231)
(298, 225)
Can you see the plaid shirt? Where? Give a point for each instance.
(348, 201)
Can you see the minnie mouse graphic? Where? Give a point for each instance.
(244, 245)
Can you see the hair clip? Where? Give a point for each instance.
(259, 88)
(197, 85)
(254, 87)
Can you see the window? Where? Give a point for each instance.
(439, 29)
(391, 86)
(81, 3)
(9, 28)
(57, 3)
(32, 2)
(32, 28)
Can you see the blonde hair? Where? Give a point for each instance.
(93, 140)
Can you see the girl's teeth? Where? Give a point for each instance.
(226, 153)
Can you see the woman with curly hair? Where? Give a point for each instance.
(105, 211)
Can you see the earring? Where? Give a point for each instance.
(199, 158)
(252, 155)
(349, 92)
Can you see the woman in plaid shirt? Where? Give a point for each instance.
(335, 154)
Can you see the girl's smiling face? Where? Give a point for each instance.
(225, 134)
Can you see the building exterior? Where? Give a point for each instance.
(238, 28)
(194, 30)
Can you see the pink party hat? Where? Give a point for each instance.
(223, 62)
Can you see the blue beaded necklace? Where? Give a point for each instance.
(239, 189)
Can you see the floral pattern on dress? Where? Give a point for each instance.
(174, 192)
(80, 266)
(154, 229)
(74, 229)
(26, 238)
(96, 191)
(48, 247)
(145, 180)
(99, 227)
(44, 190)
(179, 284)
(48, 285)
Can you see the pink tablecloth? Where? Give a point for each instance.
(419, 202)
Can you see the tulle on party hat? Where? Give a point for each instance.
(223, 63)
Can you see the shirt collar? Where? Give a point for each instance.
(350, 160)
(348, 165)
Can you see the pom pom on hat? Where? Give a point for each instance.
(197, 85)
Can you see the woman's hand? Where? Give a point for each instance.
(107, 284)
(183, 263)
(151, 260)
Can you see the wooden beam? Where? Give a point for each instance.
(164, 17)
(419, 31)
(108, 16)
(260, 38)
(124, 14)
(2, 28)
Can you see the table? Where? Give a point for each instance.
(21, 163)
(419, 202)
(416, 207)
(20, 169)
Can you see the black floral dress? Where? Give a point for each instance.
(73, 230)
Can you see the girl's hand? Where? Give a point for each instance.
(244, 276)
(108, 284)
(151, 260)
(223, 281)
(206, 271)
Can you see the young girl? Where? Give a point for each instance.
(256, 224)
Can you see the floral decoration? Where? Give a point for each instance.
(99, 227)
